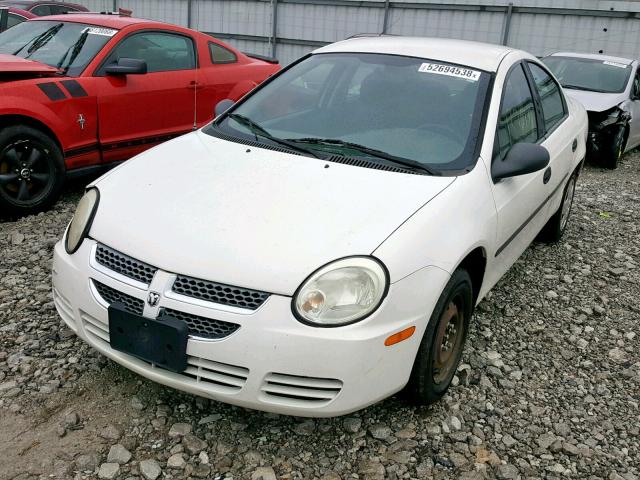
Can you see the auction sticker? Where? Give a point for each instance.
(106, 32)
(450, 70)
(615, 64)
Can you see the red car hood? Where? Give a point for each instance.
(13, 64)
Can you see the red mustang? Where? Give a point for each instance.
(82, 91)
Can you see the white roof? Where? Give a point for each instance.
(594, 56)
(483, 56)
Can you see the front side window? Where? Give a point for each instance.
(517, 121)
(354, 104)
(635, 91)
(64, 45)
(42, 10)
(550, 96)
(163, 52)
(589, 74)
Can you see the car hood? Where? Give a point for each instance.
(13, 64)
(595, 101)
(248, 216)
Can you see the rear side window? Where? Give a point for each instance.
(14, 20)
(552, 105)
(219, 54)
(41, 10)
(517, 121)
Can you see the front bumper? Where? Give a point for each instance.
(272, 362)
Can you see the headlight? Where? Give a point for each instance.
(81, 221)
(341, 292)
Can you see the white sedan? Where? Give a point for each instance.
(322, 244)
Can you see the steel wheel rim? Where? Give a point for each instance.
(25, 173)
(566, 204)
(448, 340)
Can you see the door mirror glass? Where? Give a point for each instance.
(521, 159)
(223, 106)
(127, 66)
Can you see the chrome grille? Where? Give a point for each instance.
(219, 292)
(201, 326)
(124, 264)
(111, 295)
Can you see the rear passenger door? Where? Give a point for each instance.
(561, 143)
(139, 111)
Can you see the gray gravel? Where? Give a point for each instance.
(549, 388)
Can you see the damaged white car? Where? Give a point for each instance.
(323, 243)
(609, 88)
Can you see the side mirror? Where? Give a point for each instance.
(127, 66)
(222, 106)
(521, 159)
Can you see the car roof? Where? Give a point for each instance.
(483, 56)
(100, 20)
(32, 3)
(594, 56)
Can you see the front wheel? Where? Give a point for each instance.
(612, 153)
(31, 170)
(441, 348)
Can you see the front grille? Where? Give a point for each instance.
(111, 295)
(124, 264)
(201, 326)
(219, 292)
(295, 390)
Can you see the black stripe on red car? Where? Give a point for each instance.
(74, 88)
(116, 145)
(52, 91)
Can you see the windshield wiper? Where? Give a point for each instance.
(257, 129)
(372, 152)
(40, 40)
(75, 51)
(585, 89)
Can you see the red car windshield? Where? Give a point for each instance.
(64, 45)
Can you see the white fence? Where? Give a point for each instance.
(288, 29)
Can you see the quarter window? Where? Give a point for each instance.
(14, 20)
(163, 52)
(517, 121)
(219, 54)
(552, 105)
(41, 10)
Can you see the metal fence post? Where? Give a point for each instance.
(189, 20)
(385, 20)
(507, 24)
(274, 28)
(115, 6)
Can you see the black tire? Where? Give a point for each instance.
(428, 383)
(612, 153)
(31, 171)
(554, 229)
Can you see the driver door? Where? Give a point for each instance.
(137, 111)
(521, 200)
(634, 106)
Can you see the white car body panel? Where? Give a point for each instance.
(262, 219)
(313, 215)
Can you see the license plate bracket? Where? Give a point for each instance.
(162, 342)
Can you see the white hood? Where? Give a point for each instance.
(248, 216)
(595, 101)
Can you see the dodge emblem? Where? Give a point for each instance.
(153, 298)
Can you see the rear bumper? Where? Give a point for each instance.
(272, 362)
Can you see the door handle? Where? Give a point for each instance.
(547, 176)
(574, 145)
(195, 86)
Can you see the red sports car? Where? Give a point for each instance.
(22, 10)
(80, 92)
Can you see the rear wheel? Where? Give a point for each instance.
(612, 153)
(554, 229)
(31, 170)
(441, 348)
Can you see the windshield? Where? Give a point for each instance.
(589, 74)
(371, 105)
(67, 46)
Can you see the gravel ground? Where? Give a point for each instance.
(549, 388)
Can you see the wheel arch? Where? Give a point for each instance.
(475, 263)
(17, 119)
